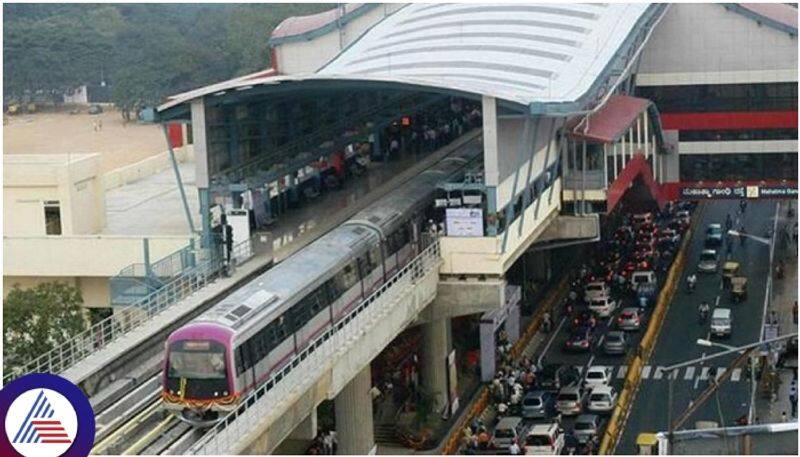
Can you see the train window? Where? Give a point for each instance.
(375, 259)
(239, 361)
(346, 278)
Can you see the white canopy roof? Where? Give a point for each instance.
(522, 53)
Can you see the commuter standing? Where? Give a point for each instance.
(793, 397)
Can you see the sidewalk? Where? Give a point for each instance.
(783, 298)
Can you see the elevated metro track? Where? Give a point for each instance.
(123, 379)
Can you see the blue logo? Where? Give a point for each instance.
(45, 416)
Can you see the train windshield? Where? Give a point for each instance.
(197, 359)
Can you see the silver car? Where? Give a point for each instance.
(708, 261)
(586, 426)
(570, 400)
(615, 343)
(538, 404)
(629, 319)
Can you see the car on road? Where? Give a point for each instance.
(569, 401)
(596, 376)
(539, 404)
(646, 294)
(580, 341)
(714, 235)
(554, 376)
(630, 319)
(586, 427)
(708, 261)
(582, 319)
(507, 430)
(596, 289)
(603, 306)
(615, 343)
(603, 399)
(644, 277)
(545, 439)
(721, 322)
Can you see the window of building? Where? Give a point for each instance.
(737, 135)
(735, 167)
(721, 97)
(52, 217)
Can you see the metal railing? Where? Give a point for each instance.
(304, 369)
(126, 319)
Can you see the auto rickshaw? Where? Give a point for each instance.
(647, 444)
(738, 289)
(729, 270)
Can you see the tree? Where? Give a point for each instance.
(37, 320)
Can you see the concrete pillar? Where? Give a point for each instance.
(647, 135)
(354, 428)
(436, 345)
(306, 430)
(615, 163)
(605, 165)
(490, 162)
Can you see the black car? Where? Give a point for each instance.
(553, 376)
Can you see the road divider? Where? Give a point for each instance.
(619, 416)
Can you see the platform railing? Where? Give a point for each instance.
(125, 319)
(304, 369)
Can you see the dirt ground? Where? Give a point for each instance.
(62, 133)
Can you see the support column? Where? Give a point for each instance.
(583, 179)
(615, 163)
(646, 134)
(437, 343)
(630, 141)
(354, 427)
(306, 430)
(624, 162)
(201, 180)
(639, 133)
(490, 162)
(605, 165)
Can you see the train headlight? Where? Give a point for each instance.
(225, 393)
(216, 394)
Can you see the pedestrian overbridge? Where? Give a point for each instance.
(335, 366)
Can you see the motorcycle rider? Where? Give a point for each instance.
(703, 310)
(691, 281)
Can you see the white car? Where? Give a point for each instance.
(603, 399)
(603, 306)
(545, 439)
(708, 261)
(597, 289)
(596, 376)
(721, 321)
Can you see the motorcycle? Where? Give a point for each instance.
(703, 316)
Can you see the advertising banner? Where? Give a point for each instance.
(464, 221)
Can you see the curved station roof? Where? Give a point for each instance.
(552, 58)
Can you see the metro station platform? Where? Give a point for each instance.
(109, 369)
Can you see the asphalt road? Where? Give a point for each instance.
(677, 340)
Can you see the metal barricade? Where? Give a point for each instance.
(129, 317)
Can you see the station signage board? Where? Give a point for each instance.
(712, 192)
(464, 222)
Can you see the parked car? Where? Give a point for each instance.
(507, 430)
(708, 261)
(596, 289)
(596, 376)
(630, 319)
(545, 439)
(570, 400)
(714, 235)
(721, 322)
(603, 399)
(615, 343)
(580, 341)
(586, 426)
(603, 306)
(538, 404)
(553, 376)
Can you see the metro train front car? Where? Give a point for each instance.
(197, 379)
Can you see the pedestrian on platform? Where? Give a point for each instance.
(783, 417)
(794, 312)
(793, 397)
(547, 322)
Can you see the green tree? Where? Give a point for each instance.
(37, 320)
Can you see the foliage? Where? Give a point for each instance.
(143, 51)
(37, 320)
